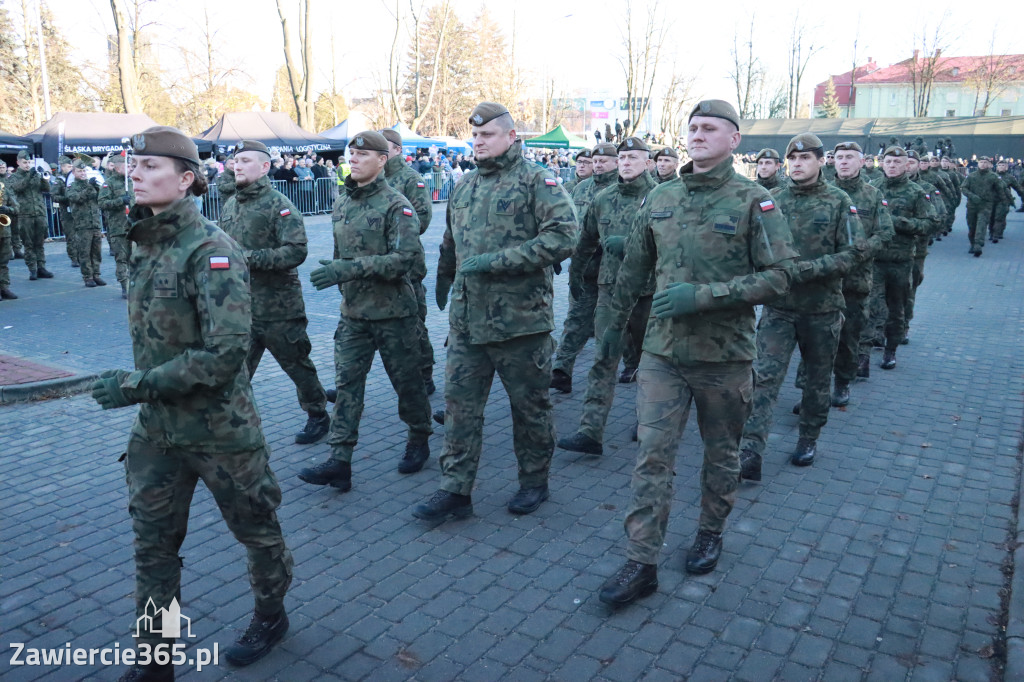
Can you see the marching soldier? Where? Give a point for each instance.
(28, 186)
(82, 197)
(115, 201)
(983, 190)
(939, 215)
(1006, 203)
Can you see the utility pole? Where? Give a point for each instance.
(44, 73)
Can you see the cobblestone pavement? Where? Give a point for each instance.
(883, 561)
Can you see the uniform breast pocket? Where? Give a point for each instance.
(725, 223)
(165, 285)
(504, 207)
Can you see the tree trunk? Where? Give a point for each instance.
(296, 81)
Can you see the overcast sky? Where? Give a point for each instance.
(576, 41)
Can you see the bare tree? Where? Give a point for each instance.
(927, 63)
(674, 102)
(300, 80)
(127, 74)
(640, 63)
(441, 37)
(993, 77)
(799, 57)
(747, 72)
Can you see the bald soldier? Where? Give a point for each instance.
(666, 160)
(768, 165)
(508, 223)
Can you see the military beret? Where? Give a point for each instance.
(392, 136)
(251, 146)
(117, 159)
(64, 159)
(25, 155)
(486, 112)
(53, 166)
(81, 165)
(633, 144)
(85, 158)
(985, 158)
(848, 147)
(666, 151)
(804, 142)
(370, 141)
(767, 153)
(895, 150)
(165, 141)
(582, 154)
(718, 109)
(604, 149)
(912, 154)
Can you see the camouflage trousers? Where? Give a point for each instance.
(33, 235)
(5, 257)
(998, 220)
(890, 289)
(122, 249)
(67, 226)
(289, 344)
(524, 366)
(779, 332)
(855, 319)
(597, 401)
(422, 336)
(161, 483)
(577, 328)
(978, 219)
(16, 243)
(90, 252)
(916, 277)
(355, 343)
(722, 393)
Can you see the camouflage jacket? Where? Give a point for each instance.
(27, 188)
(873, 212)
(955, 180)
(873, 175)
(1010, 182)
(111, 202)
(272, 235)
(828, 235)
(717, 230)
(517, 212)
(58, 190)
(188, 314)
(947, 191)
(912, 216)
(410, 185)
(82, 198)
(662, 180)
(611, 214)
(582, 195)
(769, 183)
(982, 187)
(574, 183)
(938, 205)
(828, 173)
(226, 184)
(376, 228)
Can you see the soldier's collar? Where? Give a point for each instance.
(499, 163)
(716, 177)
(250, 191)
(353, 190)
(641, 184)
(394, 164)
(153, 229)
(605, 179)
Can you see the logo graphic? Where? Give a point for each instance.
(170, 621)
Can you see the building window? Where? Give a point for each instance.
(892, 99)
(956, 71)
(1006, 112)
(950, 113)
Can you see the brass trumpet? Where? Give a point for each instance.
(5, 220)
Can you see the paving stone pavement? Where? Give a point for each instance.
(884, 561)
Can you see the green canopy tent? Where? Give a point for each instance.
(559, 138)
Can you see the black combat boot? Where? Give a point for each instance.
(416, 455)
(889, 359)
(261, 635)
(443, 505)
(841, 396)
(32, 275)
(561, 381)
(796, 407)
(43, 273)
(75, 265)
(18, 254)
(333, 472)
(750, 465)
(528, 500)
(89, 284)
(332, 395)
(439, 416)
(316, 428)
(633, 581)
(580, 442)
(702, 557)
(148, 673)
(628, 375)
(864, 366)
(803, 456)
(99, 282)
(7, 295)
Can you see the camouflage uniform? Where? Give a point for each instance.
(82, 199)
(377, 234)
(1005, 205)
(58, 192)
(188, 314)
(950, 197)
(769, 183)
(410, 185)
(938, 203)
(226, 185)
(5, 240)
(28, 187)
(872, 175)
(516, 216)
(714, 230)
(579, 322)
(828, 172)
(611, 216)
(270, 230)
(829, 237)
(983, 190)
(113, 199)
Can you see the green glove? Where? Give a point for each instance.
(615, 246)
(478, 263)
(611, 343)
(333, 272)
(441, 290)
(107, 390)
(680, 298)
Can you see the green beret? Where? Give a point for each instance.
(64, 159)
(251, 146)
(848, 147)
(392, 136)
(666, 151)
(804, 142)
(604, 149)
(165, 141)
(486, 112)
(716, 108)
(117, 159)
(985, 158)
(370, 141)
(895, 150)
(25, 155)
(767, 153)
(53, 166)
(582, 154)
(633, 144)
(81, 165)
(912, 154)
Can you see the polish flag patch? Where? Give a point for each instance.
(420, 185)
(285, 212)
(407, 211)
(219, 263)
(884, 202)
(550, 182)
(928, 197)
(767, 205)
(853, 209)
